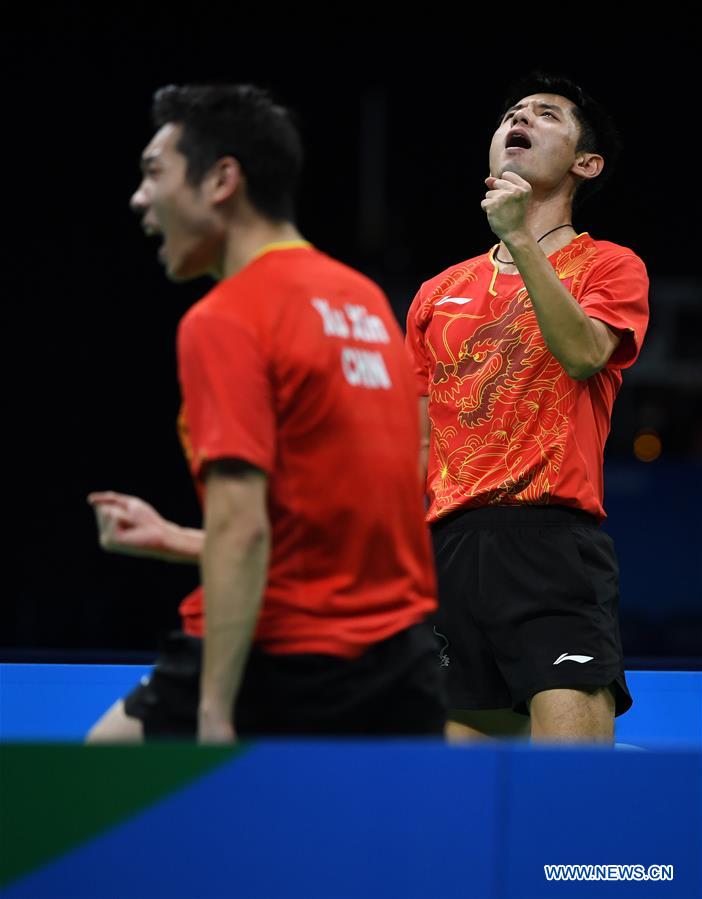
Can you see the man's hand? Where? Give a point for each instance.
(214, 727)
(127, 524)
(506, 203)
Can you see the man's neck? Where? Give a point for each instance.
(245, 241)
(543, 217)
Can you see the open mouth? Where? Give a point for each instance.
(151, 231)
(154, 233)
(517, 138)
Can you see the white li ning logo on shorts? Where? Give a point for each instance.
(566, 658)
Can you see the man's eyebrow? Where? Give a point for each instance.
(147, 159)
(540, 103)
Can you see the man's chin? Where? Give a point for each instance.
(177, 277)
(178, 272)
(184, 265)
(516, 168)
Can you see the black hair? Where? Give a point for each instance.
(242, 121)
(598, 133)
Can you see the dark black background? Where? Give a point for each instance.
(91, 394)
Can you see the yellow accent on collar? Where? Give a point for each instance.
(281, 245)
(492, 252)
(491, 257)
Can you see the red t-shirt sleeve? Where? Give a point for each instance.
(416, 348)
(226, 390)
(616, 293)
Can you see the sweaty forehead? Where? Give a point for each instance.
(548, 99)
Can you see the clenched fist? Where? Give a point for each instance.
(506, 203)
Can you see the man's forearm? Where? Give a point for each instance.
(572, 337)
(183, 545)
(234, 568)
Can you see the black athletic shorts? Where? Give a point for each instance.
(528, 602)
(394, 688)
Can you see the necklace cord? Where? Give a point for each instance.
(557, 228)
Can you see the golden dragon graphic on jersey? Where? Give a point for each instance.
(502, 376)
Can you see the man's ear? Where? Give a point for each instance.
(225, 178)
(587, 165)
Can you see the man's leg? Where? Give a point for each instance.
(466, 726)
(573, 716)
(116, 726)
(479, 700)
(552, 620)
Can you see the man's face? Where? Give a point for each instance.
(171, 207)
(536, 140)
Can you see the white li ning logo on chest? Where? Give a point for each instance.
(460, 301)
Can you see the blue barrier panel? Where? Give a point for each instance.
(667, 709)
(60, 702)
(577, 808)
(405, 819)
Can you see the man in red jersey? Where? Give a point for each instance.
(300, 426)
(518, 355)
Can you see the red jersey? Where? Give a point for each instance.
(296, 365)
(508, 425)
